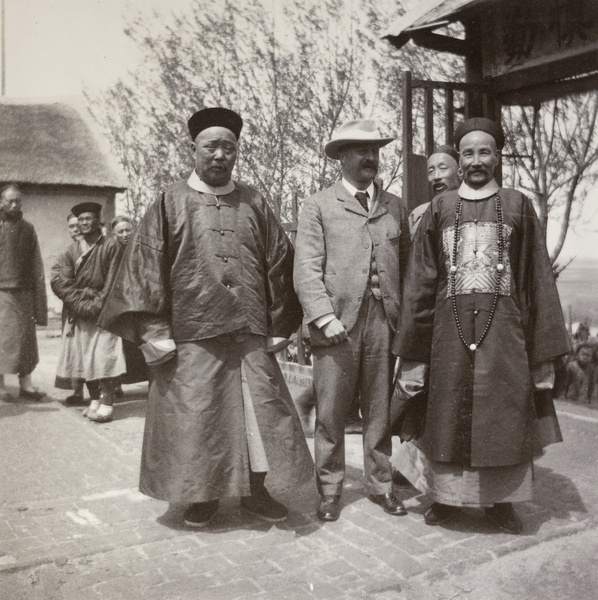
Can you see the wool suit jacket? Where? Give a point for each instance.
(335, 240)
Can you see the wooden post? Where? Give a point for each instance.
(294, 223)
(429, 120)
(449, 116)
(407, 133)
(473, 70)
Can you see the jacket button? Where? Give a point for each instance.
(476, 312)
(359, 299)
(225, 259)
(365, 271)
(366, 245)
(222, 232)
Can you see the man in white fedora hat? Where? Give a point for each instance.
(351, 250)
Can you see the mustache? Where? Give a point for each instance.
(369, 164)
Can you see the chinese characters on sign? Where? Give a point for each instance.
(535, 33)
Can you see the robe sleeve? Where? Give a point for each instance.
(542, 314)
(284, 311)
(63, 283)
(139, 294)
(85, 301)
(414, 339)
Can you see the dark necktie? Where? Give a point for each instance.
(363, 199)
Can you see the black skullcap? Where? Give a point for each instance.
(87, 207)
(450, 150)
(214, 117)
(480, 124)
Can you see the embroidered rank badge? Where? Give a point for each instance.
(477, 257)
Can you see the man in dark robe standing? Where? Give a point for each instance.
(205, 287)
(80, 278)
(481, 324)
(23, 302)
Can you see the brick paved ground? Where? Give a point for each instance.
(73, 526)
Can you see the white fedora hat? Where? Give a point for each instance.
(355, 132)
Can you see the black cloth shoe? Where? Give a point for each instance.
(263, 506)
(329, 508)
(32, 395)
(75, 400)
(200, 513)
(504, 516)
(440, 513)
(260, 504)
(389, 503)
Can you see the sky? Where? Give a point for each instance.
(57, 47)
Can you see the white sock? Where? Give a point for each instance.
(94, 405)
(104, 410)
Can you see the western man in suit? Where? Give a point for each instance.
(351, 251)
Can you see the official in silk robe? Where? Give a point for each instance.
(482, 424)
(204, 286)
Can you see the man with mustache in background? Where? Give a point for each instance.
(351, 250)
(443, 175)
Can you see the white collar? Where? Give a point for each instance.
(468, 193)
(199, 185)
(370, 190)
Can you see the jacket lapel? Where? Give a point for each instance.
(380, 204)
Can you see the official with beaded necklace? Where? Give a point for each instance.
(481, 324)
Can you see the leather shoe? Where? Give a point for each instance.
(389, 503)
(504, 516)
(31, 395)
(329, 508)
(440, 513)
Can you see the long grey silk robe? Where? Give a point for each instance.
(213, 273)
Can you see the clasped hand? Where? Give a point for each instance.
(335, 331)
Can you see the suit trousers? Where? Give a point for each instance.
(363, 362)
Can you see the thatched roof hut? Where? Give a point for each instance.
(52, 151)
(51, 144)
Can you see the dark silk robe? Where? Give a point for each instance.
(204, 270)
(481, 409)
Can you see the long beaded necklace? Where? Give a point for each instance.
(499, 271)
